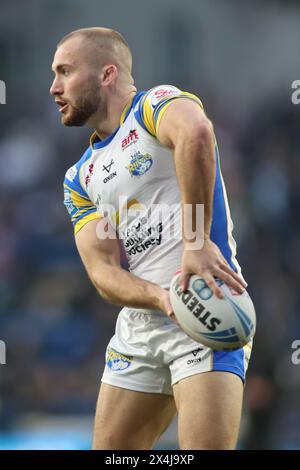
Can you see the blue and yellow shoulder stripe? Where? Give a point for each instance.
(76, 200)
(154, 103)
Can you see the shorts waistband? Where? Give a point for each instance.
(144, 311)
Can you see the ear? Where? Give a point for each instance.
(108, 74)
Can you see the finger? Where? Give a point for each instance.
(232, 273)
(229, 280)
(211, 283)
(246, 283)
(184, 281)
(225, 265)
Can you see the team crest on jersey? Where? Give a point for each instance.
(140, 164)
(117, 361)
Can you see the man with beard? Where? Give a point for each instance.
(148, 149)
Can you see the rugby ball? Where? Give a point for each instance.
(221, 324)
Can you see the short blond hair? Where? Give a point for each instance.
(107, 44)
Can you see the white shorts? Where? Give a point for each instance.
(150, 353)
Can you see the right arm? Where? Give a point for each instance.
(101, 259)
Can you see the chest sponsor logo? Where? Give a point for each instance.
(130, 139)
(140, 164)
(107, 168)
(141, 237)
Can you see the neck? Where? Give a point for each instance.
(106, 124)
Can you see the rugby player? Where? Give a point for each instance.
(149, 148)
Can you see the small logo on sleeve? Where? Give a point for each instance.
(162, 92)
(89, 175)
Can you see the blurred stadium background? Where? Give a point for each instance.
(240, 57)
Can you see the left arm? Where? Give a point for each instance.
(185, 128)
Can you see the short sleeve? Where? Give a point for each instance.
(78, 204)
(155, 102)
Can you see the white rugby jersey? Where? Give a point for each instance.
(128, 176)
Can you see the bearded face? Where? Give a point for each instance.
(76, 85)
(80, 109)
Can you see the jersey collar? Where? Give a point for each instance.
(96, 142)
